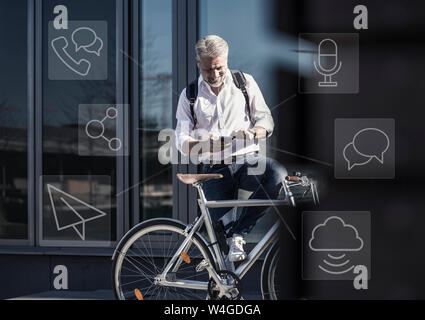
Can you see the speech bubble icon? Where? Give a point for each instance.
(353, 158)
(96, 47)
(86, 38)
(371, 143)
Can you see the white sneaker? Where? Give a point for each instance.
(236, 252)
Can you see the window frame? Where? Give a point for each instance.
(29, 241)
(120, 167)
(184, 37)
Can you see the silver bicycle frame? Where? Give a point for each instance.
(255, 253)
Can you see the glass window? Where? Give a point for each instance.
(79, 78)
(255, 45)
(13, 120)
(256, 48)
(156, 188)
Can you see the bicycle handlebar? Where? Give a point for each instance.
(304, 181)
(293, 178)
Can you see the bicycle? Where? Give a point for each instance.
(166, 259)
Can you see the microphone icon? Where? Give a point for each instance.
(327, 62)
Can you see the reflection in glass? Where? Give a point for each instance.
(156, 188)
(13, 120)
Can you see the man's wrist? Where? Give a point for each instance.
(260, 132)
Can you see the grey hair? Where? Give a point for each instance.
(211, 46)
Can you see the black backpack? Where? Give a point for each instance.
(192, 93)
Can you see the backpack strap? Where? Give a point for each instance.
(191, 95)
(240, 82)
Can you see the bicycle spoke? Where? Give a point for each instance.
(143, 273)
(158, 294)
(131, 270)
(150, 246)
(122, 283)
(142, 256)
(128, 283)
(138, 263)
(147, 257)
(169, 252)
(152, 292)
(147, 291)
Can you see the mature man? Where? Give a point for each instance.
(221, 109)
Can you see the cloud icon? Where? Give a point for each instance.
(335, 235)
(367, 144)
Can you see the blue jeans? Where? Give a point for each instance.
(265, 184)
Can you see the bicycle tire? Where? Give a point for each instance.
(142, 229)
(270, 282)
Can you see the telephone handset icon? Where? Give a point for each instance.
(81, 67)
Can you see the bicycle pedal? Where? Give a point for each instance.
(202, 265)
(234, 293)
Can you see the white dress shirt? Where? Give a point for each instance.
(221, 114)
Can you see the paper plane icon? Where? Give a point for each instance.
(71, 212)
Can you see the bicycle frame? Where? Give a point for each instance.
(205, 217)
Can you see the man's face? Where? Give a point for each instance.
(213, 70)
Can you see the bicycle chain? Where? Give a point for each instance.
(213, 294)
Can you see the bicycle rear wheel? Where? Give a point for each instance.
(143, 254)
(270, 275)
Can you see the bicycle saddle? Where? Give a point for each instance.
(194, 178)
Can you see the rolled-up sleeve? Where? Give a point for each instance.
(184, 122)
(260, 112)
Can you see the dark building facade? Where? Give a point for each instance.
(123, 65)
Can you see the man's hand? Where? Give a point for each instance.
(242, 134)
(255, 132)
(260, 132)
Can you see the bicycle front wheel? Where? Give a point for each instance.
(144, 253)
(270, 275)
